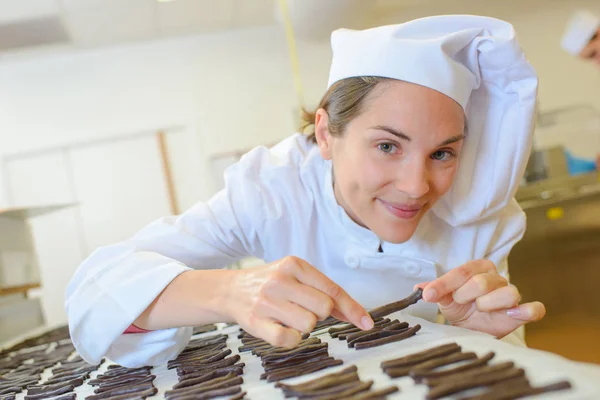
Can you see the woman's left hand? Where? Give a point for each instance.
(475, 296)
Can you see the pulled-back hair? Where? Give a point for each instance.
(343, 101)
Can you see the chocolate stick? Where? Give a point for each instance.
(10, 389)
(204, 378)
(503, 366)
(212, 394)
(295, 367)
(218, 383)
(427, 366)
(133, 396)
(458, 385)
(323, 381)
(337, 389)
(278, 376)
(298, 357)
(298, 350)
(121, 371)
(424, 355)
(201, 351)
(390, 339)
(50, 393)
(301, 345)
(375, 394)
(516, 392)
(343, 334)
(238, 396)
(501, 387)
(296, 362)
(361, 387)
(209, 358)
(218, 364)
(398, 305)
(237, 369)
(375, 335)
(131, 391)
(107, 387)
(116, 379)
(70, 396)
(418, 377)
(335, 382)
(347, 326)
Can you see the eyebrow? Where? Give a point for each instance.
(403, 136)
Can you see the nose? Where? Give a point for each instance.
(413, 179)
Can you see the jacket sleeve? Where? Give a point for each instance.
(116, 283)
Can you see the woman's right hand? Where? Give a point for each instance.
(280, 300)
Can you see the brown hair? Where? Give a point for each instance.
(343, 101)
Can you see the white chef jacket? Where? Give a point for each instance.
(277, 202)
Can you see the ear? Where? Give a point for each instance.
(324, 138)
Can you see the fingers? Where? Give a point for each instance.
(346, 305)
(519, 316)
(456, 278)
(274, 333)
(478, 286)
(338, 315)
(528, 312)
(289, 314)
(499, 299)
(307, 297)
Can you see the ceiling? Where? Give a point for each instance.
(47, 25)
(89, 23)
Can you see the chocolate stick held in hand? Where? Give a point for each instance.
(397, 305)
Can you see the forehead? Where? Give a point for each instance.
(398, 102)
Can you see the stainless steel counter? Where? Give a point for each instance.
(558, 263)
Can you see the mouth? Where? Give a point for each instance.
(403, 211)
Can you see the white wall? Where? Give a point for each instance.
(229, 90)
(236, 85)
(107, 92)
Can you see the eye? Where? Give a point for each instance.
(442, 155)
(387, 147)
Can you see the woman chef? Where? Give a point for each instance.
(421, 141)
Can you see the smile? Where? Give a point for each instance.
(401, 211)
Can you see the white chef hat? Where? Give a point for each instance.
(582, 26)
(477, 62)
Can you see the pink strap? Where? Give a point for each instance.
(134, 329)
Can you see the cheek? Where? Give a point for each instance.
(373, 177)
(442, 180)
(346, 172)
(354, 172)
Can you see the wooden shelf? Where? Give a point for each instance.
(5, 291)
(29, 212)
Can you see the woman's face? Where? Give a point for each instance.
(396, 158)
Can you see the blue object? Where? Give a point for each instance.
(578, 165)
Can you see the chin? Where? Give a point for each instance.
(397, 237)
(396, 233)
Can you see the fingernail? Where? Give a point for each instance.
(430, 294)
(366, 322)
(513, 312)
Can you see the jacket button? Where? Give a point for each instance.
(412, 269)
(352, 261)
